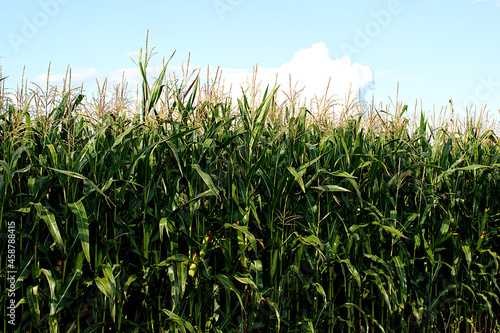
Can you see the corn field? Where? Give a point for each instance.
(198, 215)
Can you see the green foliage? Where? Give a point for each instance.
(240, 224)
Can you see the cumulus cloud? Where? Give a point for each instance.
(311, 69)
(78, 76)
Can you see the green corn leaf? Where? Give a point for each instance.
(119, 138)
(487, 303)
(311, 240)
(163, 227)
(53, 324)
(107, 284)
(321, 291)
(176, 155)
(257, 267)
(182, 324)
(53, 291)
(182, 274)
(402, 278)
(243, 229)
(53, 154)
(453, 168)
(206, 179)
(59, 111)
(353, 270)
(391, 230)
(229, 286)
(129, 282)
(298, 177)
(66, 289)
(85, 179)
(274, 306)
(445, 226)
(304, 166)
(50, 220)
(339, 173)
(32, 297)
(179, 257)
(355, 227)
(104, 286)
(473, 167)
(246, 280)
(24, 269)
(83, 227)
(427, 247)
(194, 87)
(274, 262)
(468, 254)
(260, 117)
(331, 188)
(15, 157)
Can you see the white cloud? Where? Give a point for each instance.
(78, 76)
(311, 69)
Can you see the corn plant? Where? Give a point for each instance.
(243, 223)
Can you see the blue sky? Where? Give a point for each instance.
(436, 50)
